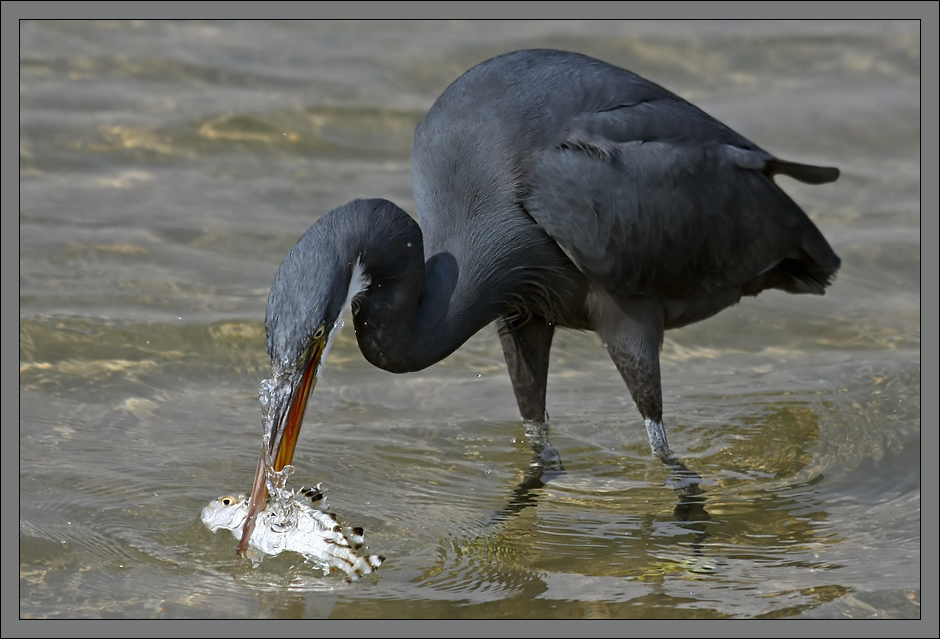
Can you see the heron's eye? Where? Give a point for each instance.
(319, 333)
(227, 501)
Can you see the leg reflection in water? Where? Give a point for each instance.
(546, 465)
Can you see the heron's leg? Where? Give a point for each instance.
(632, 332)
(526, 344)
(640, 371)
(637, 359)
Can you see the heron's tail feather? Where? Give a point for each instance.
(803, 172)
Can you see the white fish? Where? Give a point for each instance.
(303, 527)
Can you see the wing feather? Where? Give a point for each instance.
(662, 206)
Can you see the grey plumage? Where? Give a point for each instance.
(552, 190)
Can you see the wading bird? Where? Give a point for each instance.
(552, 190)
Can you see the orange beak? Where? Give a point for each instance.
(283, 440)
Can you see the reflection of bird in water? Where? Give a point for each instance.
(552, 190)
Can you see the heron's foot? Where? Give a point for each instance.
(546, 455)
(545, 466)
(546, 463)
(681, 479)
(658, 443)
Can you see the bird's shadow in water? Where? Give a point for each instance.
(546, 465)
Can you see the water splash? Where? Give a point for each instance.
(272, 393)
(281, 498)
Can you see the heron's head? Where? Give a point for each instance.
(313, 285)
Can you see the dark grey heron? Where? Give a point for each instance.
(552, 190)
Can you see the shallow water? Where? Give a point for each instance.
(166, 168)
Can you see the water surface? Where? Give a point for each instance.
(166, 168)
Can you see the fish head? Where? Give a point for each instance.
(228, 512)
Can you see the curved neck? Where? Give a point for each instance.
(413, 312)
